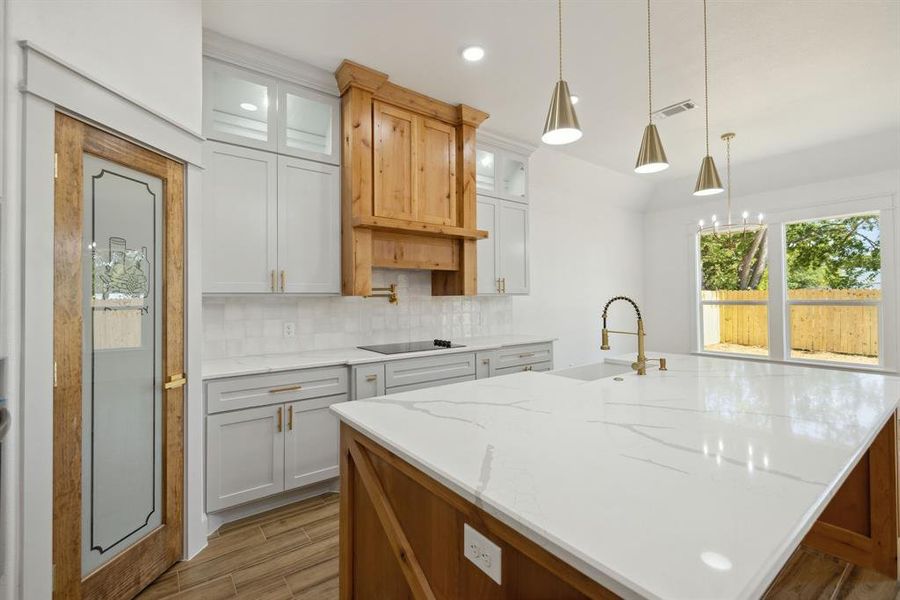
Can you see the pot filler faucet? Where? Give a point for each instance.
(641, 364)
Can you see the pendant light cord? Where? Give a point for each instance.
(649, 69)
(559, 15)
(728, 173)
(706, 76)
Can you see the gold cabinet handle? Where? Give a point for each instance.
(287, 388)
(503, 280)
(279, 419)
(371, 378)
(290, 418)
(486, 361)
(272, 283)
(526, 355)
(498, 285)
(283, 280)
(175, 381)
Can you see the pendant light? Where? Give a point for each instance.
(708, 181)
(730, 225)
(651, 157)
(562, 125)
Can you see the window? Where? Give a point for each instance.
(734, 296)
(815, 285)
(834, 300)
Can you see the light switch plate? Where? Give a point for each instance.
(482, 552)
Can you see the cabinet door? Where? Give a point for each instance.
(368, 381)
(484, 364)
(513, 238)
(240, 200)
(436, 196)
(244, 456)
(309, 124)
(485, 171)
(513, 178)
(238, 106)
(395, 162)
(311, 444)
(486, 254)
(309, 227)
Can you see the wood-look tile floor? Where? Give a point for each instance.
(292, 553)
(289, 552)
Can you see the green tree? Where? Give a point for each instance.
(842, 253)
(735, 261)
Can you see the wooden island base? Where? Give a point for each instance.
(401, 531)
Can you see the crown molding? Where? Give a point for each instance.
(227, 49)
(506, 143)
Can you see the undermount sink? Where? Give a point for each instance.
(594, 371)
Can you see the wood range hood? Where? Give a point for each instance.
(407, 184)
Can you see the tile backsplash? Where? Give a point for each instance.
(247, 325)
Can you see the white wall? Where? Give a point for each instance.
(853, 169)
(586, 247)
(149, 52)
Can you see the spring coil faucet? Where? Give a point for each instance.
(641, 364)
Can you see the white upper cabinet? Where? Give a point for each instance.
(238, 106)
(258, 111)
(513, 243)
(308, 124)
(240, 204)
(501, 174)
(309, 225)
(487, 248)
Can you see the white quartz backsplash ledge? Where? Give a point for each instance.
(692, 483)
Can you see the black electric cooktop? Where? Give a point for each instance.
(411, 347)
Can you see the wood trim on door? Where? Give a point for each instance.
(124, 576)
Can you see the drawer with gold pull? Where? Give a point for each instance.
(528, 354)
(273, 388)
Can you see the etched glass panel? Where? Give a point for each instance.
(512, 177)
(308, 124)
(122, 360)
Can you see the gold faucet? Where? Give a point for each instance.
(641, 364)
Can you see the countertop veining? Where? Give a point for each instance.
(697, 482)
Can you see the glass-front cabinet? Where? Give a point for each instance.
(254, 110)
(501, 173)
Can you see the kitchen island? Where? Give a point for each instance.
(697, 482)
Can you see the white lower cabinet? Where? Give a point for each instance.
(368, 381)
(311, 442)
(244, 456)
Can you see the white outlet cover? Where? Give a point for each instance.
(482, 552)
(290, 329)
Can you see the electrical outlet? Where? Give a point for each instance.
(482, 552)
(290, 329)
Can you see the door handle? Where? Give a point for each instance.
(283, 279)
(498, 285)
(272, 284)
(291, 417)
(279, 419)
(287, 388)
(175, 381)
(371, 378)
(503, 284)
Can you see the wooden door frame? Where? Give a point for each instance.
(164, 545)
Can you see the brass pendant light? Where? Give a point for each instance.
(651, 157)
(708, 182)
(730, 225)
(562, 125)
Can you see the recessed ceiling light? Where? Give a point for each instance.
(248, 106)
(473, 53)
(574, 99)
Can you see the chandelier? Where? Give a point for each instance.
(730, 225)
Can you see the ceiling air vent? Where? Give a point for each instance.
(674, 109)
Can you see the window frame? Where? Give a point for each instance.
(778, 303)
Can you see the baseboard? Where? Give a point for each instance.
(217, 519)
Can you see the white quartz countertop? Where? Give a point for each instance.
(272, 363)
(693, 483)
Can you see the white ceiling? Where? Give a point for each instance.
(784, 74)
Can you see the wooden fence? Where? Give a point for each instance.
(814, 328)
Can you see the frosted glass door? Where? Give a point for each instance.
(484, 171)
(512, 178)
(308, 124)
(122, 360)
(239, 106)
